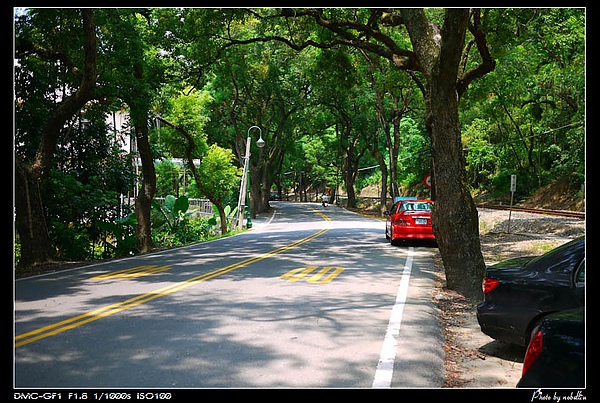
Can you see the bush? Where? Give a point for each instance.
(193, 229)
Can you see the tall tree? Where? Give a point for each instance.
(215, 178)
(31, 170)
(339, 89)
(262, 88)
(395, 96)
(438, 52)
(133, 73)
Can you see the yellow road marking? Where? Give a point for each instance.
(133, 272)
(324, 216)
(318, 278)
(67, 324)
(301, 272)
(297, 274)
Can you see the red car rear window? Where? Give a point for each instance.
(416, 206)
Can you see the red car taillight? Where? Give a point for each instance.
(534, 350)
(400, 221)
(489, 284)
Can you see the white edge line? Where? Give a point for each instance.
(385, 367)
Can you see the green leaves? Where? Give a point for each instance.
(174, 211)
(230, 215)
(123, 236)
(218, 176)
(177, 206)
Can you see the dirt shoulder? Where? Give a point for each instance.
(473, 359)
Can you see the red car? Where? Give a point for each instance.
(409, 220)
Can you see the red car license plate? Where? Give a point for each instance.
(421, 221)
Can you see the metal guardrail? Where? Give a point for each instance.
(202, 206)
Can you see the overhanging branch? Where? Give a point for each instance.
(487, 61)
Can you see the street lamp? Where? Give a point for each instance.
(245, 185)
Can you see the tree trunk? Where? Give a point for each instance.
(384, 176)
(349, 182)
(391, 146)
(222, 216)
(455, 218)
(394, 145)
(265, 193)
(143, 202)
(30, 218)
(254, 196)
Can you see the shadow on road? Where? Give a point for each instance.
(504, 351)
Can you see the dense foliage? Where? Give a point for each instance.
(334, 119)
(528, 116)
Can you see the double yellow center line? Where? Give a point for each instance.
(62, 326)
(133, 272)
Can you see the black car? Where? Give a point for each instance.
(555, 356)
(519, 292)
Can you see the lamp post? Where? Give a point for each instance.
(245, 185)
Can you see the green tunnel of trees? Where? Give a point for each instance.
(344, 98)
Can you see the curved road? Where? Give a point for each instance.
(311, 297)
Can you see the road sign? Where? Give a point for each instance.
(427, 180)
(513, 187)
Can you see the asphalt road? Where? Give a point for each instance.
(310, 297)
